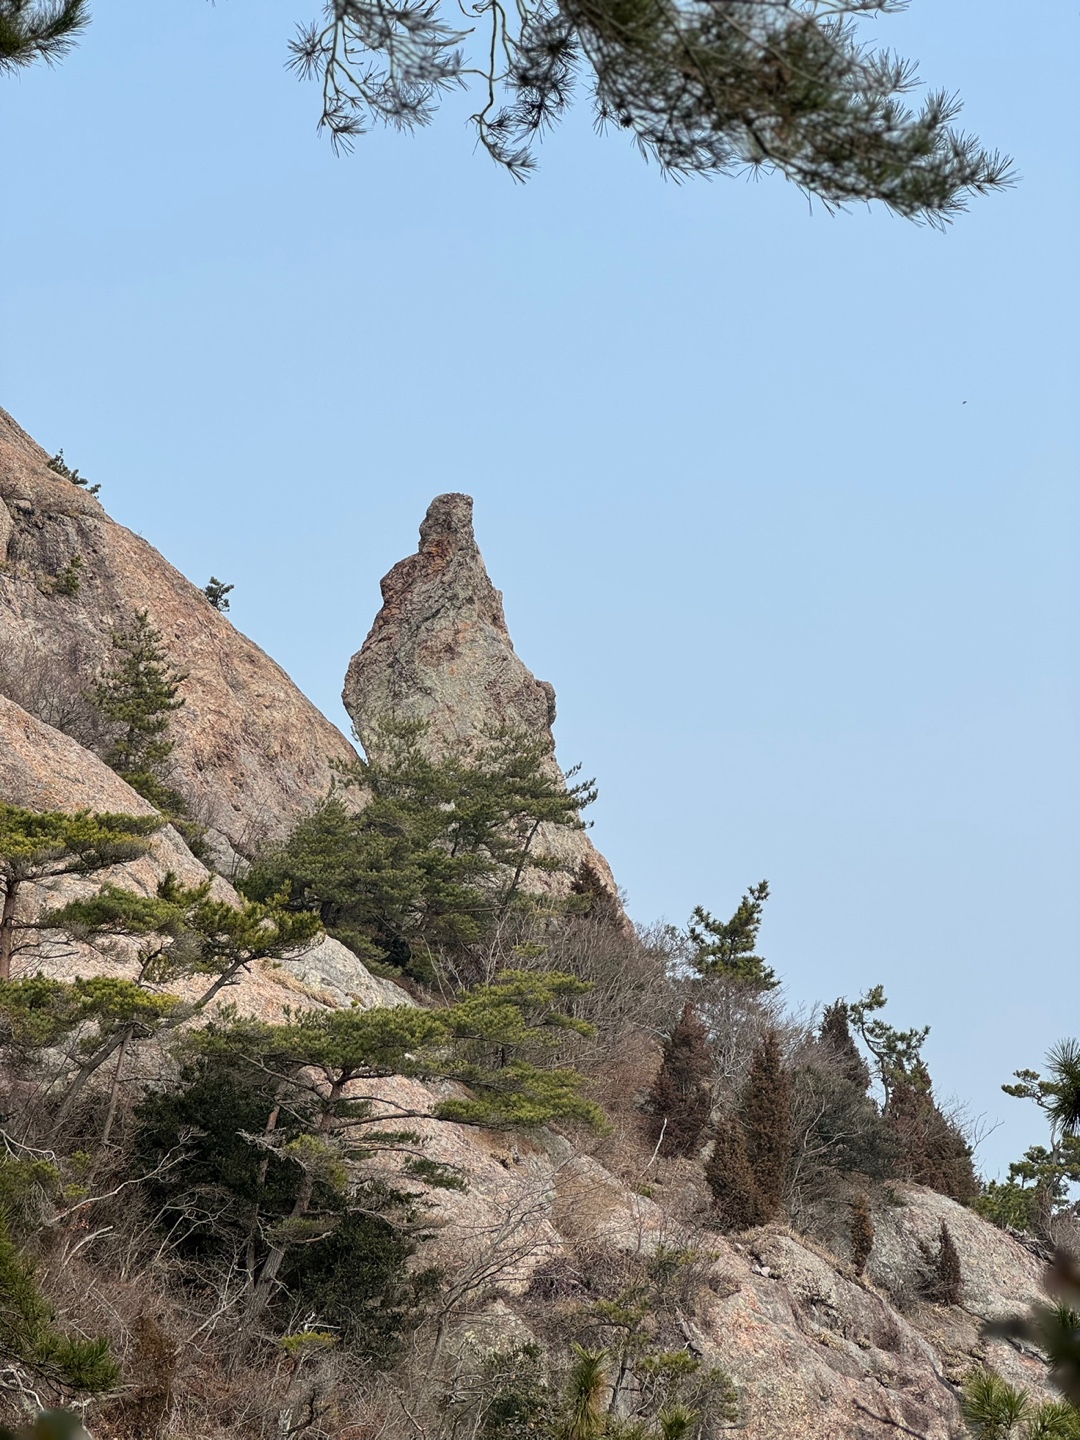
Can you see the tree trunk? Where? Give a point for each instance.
(87, 1069)
(271, 1267)
(522, 858)
(7, 927)
(115, 1091)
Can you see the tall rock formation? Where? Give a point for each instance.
(252, 753)
(440, 652)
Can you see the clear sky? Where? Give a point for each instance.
(785, 506)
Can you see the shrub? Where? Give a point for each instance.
(59, 466)
(28, 1331)
(69, 580)
(948, 1276)
(766, 1116)
(737, 1201)
(681, 1096)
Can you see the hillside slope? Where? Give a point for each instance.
(252, 753)
(815, 1351)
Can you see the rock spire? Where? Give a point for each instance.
(440, 651)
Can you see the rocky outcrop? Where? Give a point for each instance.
(252, 753)
(43, 769)
(440, 652)
(999, 1279)
(815, 1352)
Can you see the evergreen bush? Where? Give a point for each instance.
(680, 1100)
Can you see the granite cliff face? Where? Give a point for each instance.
(252, 753)
(440, 652)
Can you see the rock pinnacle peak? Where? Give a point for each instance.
(440, 652)
(449, 520)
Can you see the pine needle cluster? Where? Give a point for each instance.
(703, 89)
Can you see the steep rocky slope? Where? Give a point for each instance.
(252, 752)
(814, 1350)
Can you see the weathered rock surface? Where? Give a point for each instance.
(815, 1352)
(440, 652)
(252, 753)
(999, 1278)
(43, 769)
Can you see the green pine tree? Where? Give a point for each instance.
(493, 1042)
(186, 933)
(42, 845)
(138, 695)
(33, 30)
(1039, 1185)
(435, 858)
(726, 948)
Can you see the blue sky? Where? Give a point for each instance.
(784, 505)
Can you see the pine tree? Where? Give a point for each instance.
(702, 90)
(138, 695)
(217, 592)
(188, 934)
(1038, 1185)
(726, 949)
(862, 1232)
(681, 1096)
(991, 1406)
(737, 1201)
(767, 1121)
(42, 845)
(39, 30)
(491, 1043)
(434, 860)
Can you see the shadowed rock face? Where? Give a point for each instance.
(252, 753)
(440, 652)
